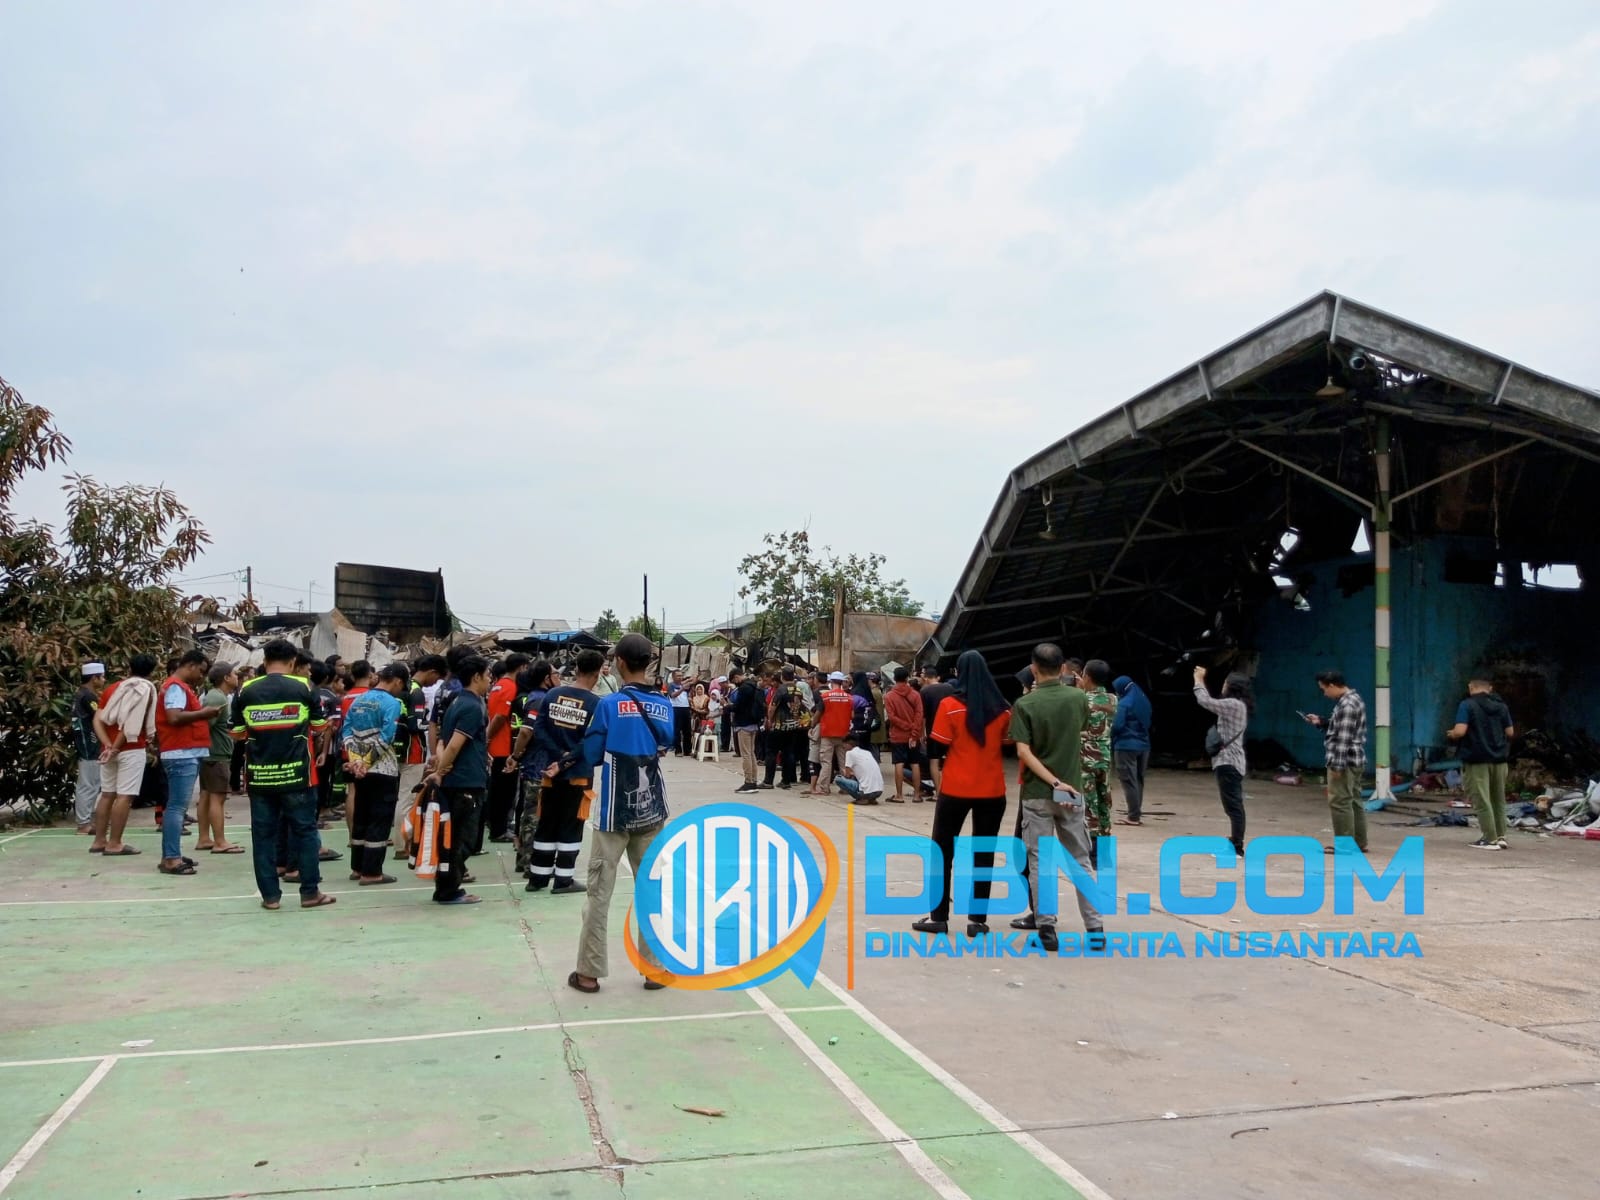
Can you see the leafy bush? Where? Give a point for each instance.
(98, 589)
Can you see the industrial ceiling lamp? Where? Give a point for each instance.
(1049, 532)
(1330, 389)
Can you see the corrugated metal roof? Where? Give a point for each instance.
(1131, 534)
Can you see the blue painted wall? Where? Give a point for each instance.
(1538, 645)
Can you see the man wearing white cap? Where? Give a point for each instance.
(833, 725)
(84, 705)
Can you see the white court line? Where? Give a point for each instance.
(910, 1149)
(1060, 1166)
(418, 1037)
(180, 899)
(25, 833)
(23, 1157)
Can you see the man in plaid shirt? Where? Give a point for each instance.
(1344, 737)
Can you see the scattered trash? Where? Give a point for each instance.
(1458, 819)
(1083, 1043)
(1014, 983)
(833, 1041)
(1287, 779)
(1169, 1116)
(262, 1163)
(139, 1042)
(703, 1112)
(1252, 1129)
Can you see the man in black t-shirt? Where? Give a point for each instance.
(84, 705)
(934, 691)
(1484, 728)
(462, 776)
(560, 806)
(280, 717)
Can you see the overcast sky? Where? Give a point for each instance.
(552, 295)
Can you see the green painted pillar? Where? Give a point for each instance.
(1383, 723)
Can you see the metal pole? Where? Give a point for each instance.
(1382, 624)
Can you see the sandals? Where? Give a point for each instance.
(125, 852)
(230, 848)
(463, 898)
(183, 868)
(587, 989)
(327, 855)
(1125, 821)
(319, 900)
(379, 882)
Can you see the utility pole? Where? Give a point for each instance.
(249, 587)
(1382, 639)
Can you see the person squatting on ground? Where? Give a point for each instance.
(862, 777)
(1225, 745)
(1047, 726)
(376, 735)
(555, 783)
(1484, 729)
(218, 763)
(1344, 740)
(972, 723)
(625, 738)
(460, 779)
(279, 717)
(1130, 746)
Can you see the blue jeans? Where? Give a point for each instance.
(299, 809)
(853, 789)
(182, 775)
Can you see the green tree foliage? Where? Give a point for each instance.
(643, 624)
(794, 583)
(608, 628)
(97, 589)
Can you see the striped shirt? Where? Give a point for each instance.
(1231, 720)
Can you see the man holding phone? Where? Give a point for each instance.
(1047, 725)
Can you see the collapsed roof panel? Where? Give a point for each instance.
(1131, 534)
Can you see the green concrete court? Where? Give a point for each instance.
(167, 1039)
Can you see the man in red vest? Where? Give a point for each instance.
(183, 731)
(832, 726)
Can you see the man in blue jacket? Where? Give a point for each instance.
(626, 735)
(1130, 745)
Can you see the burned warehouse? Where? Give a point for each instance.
(1336, 489)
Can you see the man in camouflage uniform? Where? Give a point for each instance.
(1097, 747)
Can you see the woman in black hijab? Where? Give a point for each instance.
(863, 712)
(972, 723)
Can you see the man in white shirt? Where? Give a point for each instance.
(862, 779)
(682, 724)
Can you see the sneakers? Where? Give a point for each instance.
(1502, 843)
(764, 787)
(1484, 844)
(570, 887)
(745, 789)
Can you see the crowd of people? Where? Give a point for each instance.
(429, 761)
